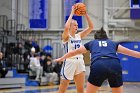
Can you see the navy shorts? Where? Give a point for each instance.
(106, 68)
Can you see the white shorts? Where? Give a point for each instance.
(72, 67)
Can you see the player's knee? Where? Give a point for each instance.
(64, 83)
(62, 91)
(80, 89)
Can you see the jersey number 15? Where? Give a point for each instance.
(102, 43)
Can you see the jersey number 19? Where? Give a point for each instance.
(77, 46)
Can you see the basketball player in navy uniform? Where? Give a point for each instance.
(73, 67)
(105, 63)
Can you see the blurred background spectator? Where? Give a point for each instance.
(27, 55)
(3, 69)
(36, 67)
(50, 74)
(57, 69)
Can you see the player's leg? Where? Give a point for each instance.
(115, 76)
(67, 74)
(63, 86)
(117, 90)
(79, 76)
(116, 84)
(91, 88)
(79, 82)
(98, 74)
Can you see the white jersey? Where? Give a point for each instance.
(72, 44)
(74, 65)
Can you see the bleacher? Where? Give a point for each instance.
(14, 79)
(12, 82)
(11, 34)
(8, 34)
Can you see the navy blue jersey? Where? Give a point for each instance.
(102, 48)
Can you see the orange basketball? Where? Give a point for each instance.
(80, 9)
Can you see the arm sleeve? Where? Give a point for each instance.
(86, 45)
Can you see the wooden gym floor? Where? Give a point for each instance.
(128, 88)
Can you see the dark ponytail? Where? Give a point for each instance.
(101, 34)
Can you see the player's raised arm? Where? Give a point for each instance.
(128, 52)
(72, 53)
(86, 31)
(65, 35)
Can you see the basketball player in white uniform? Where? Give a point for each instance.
(73, 68)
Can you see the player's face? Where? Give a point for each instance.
(74, 26)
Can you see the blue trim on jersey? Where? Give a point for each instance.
(66, 47)
(66, 51)
(63, 70)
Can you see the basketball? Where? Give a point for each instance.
(80, 9)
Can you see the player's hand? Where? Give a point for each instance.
(73, 9)
(85, 13)
(58, 60)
